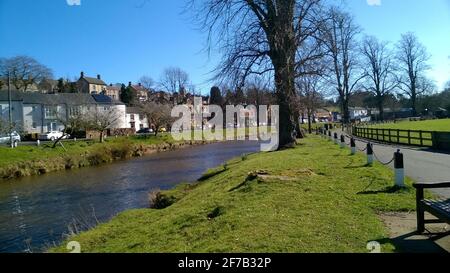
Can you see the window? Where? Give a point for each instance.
(74, 111)
(34, 125)
(132, 116)
(50, 112)
(141, 117)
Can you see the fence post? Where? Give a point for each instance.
(329, 135)
(399, 169)
(38, 142)
(342, 141)
(335, 138)
(353, 145)
(421, 138)
(369, 154)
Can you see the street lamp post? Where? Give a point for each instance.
(10, 111)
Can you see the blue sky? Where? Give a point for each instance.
(125, 39)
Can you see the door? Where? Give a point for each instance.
(51, 126)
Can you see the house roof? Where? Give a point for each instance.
(139, 88)
(50, 81)
(113, 88)
(60, 98)
(133, 110)
(15, 95)
(103, 99)
(93, 80)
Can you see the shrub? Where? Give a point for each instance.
(158, 200)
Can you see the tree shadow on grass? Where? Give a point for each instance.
(388, 190)
(357, 166)
(414, 242)
(351, 166)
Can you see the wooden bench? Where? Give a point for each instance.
(439, 209)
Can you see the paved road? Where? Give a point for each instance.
(420, 165)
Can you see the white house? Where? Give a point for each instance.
(358, 113)
(135, 119)
(39, 113)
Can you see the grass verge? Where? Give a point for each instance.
(34, 160)
(312, 198)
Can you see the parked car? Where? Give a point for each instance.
(6, 138)
(53, 135)
(145, 131)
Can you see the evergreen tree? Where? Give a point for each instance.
(127, 95)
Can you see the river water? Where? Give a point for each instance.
(36, 212)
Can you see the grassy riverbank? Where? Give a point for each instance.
(33, 160)
(313, 198)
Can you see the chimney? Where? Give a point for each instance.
(129, 83)
(82, 74)
(110, 84)
(139, 84)
(98, 77)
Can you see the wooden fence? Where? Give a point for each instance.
(397, 136)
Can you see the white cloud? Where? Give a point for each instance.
(374, 2)
(77, 2)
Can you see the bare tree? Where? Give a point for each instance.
(258, 91)
(309, 89)
(147, 82)
(72, 118)
(158, 115)
(24, 71)
(339, 34)
(379, 70)
(412, 58)
(259, 37)
(174, 79)
(101, 120)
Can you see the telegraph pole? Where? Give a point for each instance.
(10, 110)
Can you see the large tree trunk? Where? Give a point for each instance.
(282, 54)
(298, 129)
(284, 82)
(380, 107)
(413, 104)
(345, 111)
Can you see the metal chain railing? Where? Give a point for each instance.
(374, 154)
(383, 163)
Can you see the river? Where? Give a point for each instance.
(36, 212)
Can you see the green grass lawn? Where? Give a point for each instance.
(442, 125)
(426, 125)
(312, 198)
